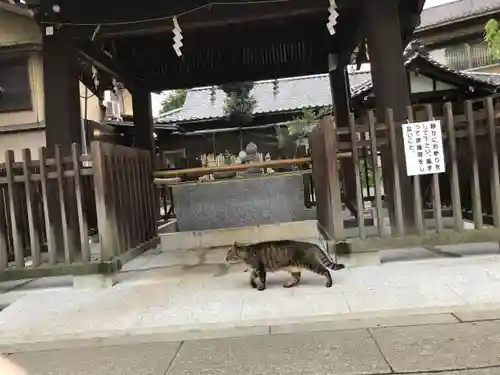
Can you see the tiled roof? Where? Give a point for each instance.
(414, 52)
(492, 78)
(293, 94)
(300, 92)
(456, 11)
(17, 7)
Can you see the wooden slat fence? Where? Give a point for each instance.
(451, 207)
(126, 200)
(110, 191)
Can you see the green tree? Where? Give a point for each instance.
(492, 37)
(289, 138)
(174, 100)
(240, 103)
(303, 124)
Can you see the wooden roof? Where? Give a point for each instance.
(293, 94)
(241, 40)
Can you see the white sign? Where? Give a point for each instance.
(423, 143)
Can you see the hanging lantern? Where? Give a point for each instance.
(95, 77)
(213, 92)
(116, 87)
(276, 88)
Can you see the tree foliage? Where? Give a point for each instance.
(303, 124)
(298, 129)
(492, 37)
(240, 103)
(173, 101)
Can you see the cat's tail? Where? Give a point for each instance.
(327, 260)
(337, 266)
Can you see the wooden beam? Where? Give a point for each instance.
(220, 76)
(108, 64)
(201, 23)
(126, 17)
(228, 168)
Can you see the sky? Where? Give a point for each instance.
(156, 99)
(156, 103)
(431, 3)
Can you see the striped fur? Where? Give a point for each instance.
(290, 256)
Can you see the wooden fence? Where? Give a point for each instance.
(48, 204)
(469, 189)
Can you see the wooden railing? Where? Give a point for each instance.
(126, 201)
(47, 206)
(469, 57)
(470, 184)
(231, 168)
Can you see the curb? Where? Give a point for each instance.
(351, 321)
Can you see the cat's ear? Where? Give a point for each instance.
(235, 244)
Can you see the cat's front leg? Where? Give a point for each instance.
(261, 273)
(253, 278)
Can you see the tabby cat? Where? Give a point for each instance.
(291, 256)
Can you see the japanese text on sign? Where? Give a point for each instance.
(423, 143)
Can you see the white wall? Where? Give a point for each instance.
(420, 83)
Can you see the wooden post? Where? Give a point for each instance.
(341, 94)
(62, 124)
(494, 173)
(82, 219)
(390, 83)
(50, 228)
(376, 172)
(30, 207)
(143, 121)
(454, 178)
(323, 141)
(104, 201)
(67, 243)
(417, 190)
(16, 236)
(477, 210)
(4, 230)
(436, 191)
(357, 172)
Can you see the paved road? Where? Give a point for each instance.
(450, 349)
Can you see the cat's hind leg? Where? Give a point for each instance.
(322, 270)
(296, 274)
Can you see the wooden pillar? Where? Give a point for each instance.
(62, 126)
(143, 120)
(391, 88)
(61, 93)
(341, 94)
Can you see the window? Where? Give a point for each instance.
(171, 156)
(468, 55)
(15, 84)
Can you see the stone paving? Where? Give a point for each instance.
(213, 300)
(447, 349)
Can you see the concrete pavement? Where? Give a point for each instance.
(210, 301)
(448, 349)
